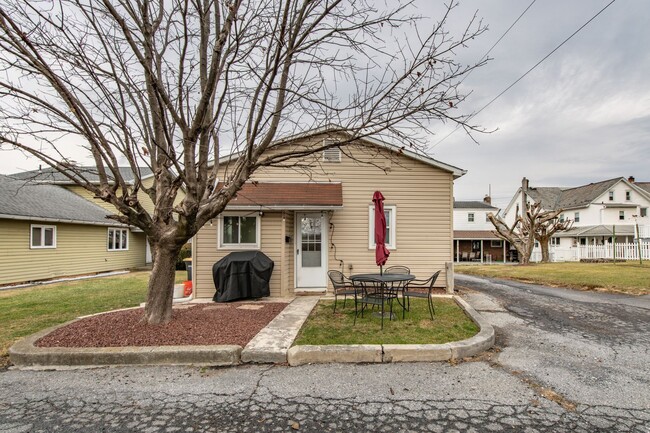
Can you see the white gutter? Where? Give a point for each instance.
(60, 220)
(282, 207)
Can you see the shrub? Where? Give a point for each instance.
(186, 252)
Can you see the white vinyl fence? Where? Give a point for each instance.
(629, 251)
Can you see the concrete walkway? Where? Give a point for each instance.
(271, 345)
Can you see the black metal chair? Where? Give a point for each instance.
(375, 292)
(397, 270)
(342, 286)
(419, 289)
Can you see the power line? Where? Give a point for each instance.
(487, 53)
(529, 71)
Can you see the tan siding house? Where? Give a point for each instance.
(47, 231)
(419, 201)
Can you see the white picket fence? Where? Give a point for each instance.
(629, 251)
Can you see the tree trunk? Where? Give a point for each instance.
(543, 243)
(161, 285)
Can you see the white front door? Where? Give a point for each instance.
(311, 250)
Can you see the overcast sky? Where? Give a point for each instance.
(582, 116)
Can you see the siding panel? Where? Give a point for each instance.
(80, 249)
(422, 194)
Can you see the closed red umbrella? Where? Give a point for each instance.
(381, 252)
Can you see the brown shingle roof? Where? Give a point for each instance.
(474, 234)
(287, 195)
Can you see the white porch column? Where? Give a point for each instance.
(481, 250)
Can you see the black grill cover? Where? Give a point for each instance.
(243, 274)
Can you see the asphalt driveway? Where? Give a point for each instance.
(567, 361)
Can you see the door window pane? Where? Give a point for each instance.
(311, 242)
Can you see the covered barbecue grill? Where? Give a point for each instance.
(242, 274)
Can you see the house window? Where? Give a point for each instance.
(42, 236)
(555, 241)
(562, 218)
(470, 217)
(611, 196)
(628, 195)
(576, 217)
(583, 241)
(390, 212)
(118, 239)
(621, 215)
(239, 231)
(496, 243)
(644, 212)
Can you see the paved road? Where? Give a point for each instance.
(567, 362)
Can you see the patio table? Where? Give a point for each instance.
(391, 285)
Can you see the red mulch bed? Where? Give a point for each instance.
(202, 324)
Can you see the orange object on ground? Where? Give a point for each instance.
(187, 288)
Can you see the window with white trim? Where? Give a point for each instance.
(390, 212)
(621, 215)
(576, 217)
(611, 196)
(496, 243)
(239, 231)
(42, 236)
(628, 195)
(555, 242)
(118, 239)
(470, 217)
(644, 212)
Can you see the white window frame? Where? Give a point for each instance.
(470, 217)
(611, 196)
(392, 245)
(621, 215)
(239, 246)
(555, 241)
(628, 195)
(496, 243)
(41, 246)
(576, 217)
(121, 230)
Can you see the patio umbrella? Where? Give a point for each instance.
(381, 252)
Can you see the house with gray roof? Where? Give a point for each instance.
(48, 231)
(474, 238)
(602, 212)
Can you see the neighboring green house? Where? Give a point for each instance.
(48, 229)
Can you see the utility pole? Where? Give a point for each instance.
(638, 238)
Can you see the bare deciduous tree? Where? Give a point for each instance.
(535, 224)
(174, 84)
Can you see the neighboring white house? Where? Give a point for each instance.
(602, 212)
(474, 238)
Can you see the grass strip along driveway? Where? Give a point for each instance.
(28, 310)
(631, 278)
(325, 327)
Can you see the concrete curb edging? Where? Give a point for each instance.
(300, 355)
(271, 345)
(25, 353)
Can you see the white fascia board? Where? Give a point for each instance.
(457, 172)
(61, 220)
(283, 207)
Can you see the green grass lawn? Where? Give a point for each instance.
(628, 277)
(25, 311)
(324, 327)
